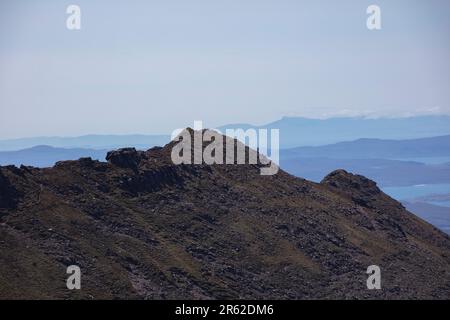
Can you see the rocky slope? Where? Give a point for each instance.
(141, 227)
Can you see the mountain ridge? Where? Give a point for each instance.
(141, 227)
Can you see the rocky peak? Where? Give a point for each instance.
(361, 189)
(344, 180)
(125, 157)
(8, 193)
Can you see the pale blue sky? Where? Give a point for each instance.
(153, 66)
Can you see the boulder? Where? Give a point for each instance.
(125, 157)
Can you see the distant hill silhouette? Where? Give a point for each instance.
(377, 149)
(87, 142)
(373, 158)
(46, 156)
(384, 171)
(294, 131)
(437, 215)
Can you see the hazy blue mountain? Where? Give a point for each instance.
(296, 132)
(380, 160)
(377, 148)
(88, 141)
(385, 172)
(436, 215)
(437, 194)
(46, 156)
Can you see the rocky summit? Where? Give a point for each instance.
(140, 227)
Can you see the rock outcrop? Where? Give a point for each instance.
(125, 157)
(9, 196)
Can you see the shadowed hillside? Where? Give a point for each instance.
(141, 227)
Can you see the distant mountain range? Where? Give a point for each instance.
(87, 142)
(436, 215)
(377, 159)
(384, 171)
(377, 149)
(46, 156)
(294, 132)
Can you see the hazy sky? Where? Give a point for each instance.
(153, 66)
